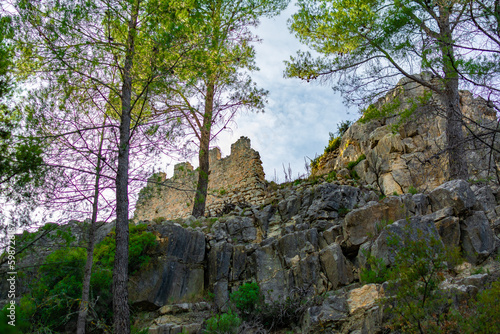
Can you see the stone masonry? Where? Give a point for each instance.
(238, 177)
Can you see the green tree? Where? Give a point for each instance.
(119, 49)
(20, 154)
(212, 86)
(414, 301)
(366, 44)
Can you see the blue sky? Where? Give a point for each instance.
(299, 115)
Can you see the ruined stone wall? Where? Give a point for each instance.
(238, 177)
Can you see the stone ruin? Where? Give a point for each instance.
(236, 178)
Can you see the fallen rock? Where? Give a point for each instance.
(456, 194)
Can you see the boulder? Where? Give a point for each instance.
(365, 297)
(478, 240)
(318, 318)
(414, 228)
(456, 194)
(336, 267)
(362, 223)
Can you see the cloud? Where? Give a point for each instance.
(299, 115)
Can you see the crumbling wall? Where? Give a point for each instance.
(238, 177)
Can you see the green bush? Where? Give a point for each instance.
(56, 293)
(247, 298)
(343, 126)
(412, 190)
(417, 271)
(333, 144)
(225, 323)
(17, 325)
(386, 110)
(374, 271)
(353, 164)
(482, 316)
(332, 176)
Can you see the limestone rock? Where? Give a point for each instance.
(478, 240)
(415, 228)
(365, 297)
(456, 194)
(175, 273)
(337, 268)
(361, 223)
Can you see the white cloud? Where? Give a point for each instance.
(299, 115)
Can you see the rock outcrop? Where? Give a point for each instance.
(408, 150)
(313, 237)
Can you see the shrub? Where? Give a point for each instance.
(483, 314)
(333, 144)
(21, 321)
(343, 126)
(283, 313)
(223, 323)
(55, 295)
(159, 220)
(332, 176)
(353, 164)
(412, 190)
(388, 109)
(247, 298)
(375, 270)
(417, 271)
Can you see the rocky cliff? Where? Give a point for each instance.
(313, 237)
(405, 145)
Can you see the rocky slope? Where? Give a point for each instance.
(313, 237)
(406, 149)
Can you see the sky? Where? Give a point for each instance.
(299, 115)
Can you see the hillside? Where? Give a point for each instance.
(378, 244)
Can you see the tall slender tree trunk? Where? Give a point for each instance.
(454, 134)
(203, 156)
(121, 312)
(84, 304)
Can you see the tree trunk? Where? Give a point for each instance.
(451, 98)
(84, 304)
(121, 312)
(203, 156)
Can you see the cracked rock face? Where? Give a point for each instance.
(405, 154)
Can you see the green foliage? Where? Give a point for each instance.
(55, 294)
(353, 164)
(19, 320)
(246, 298)
(412, 190)
(225, 323)
(333, 144)
(315, 162)
(407, 114)
(416, 273)
(343, 126)
(140, 243)
(375, 270)
(343, 211)
(386, 110)
(332, 176)
(158, 220)
(481, 316)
